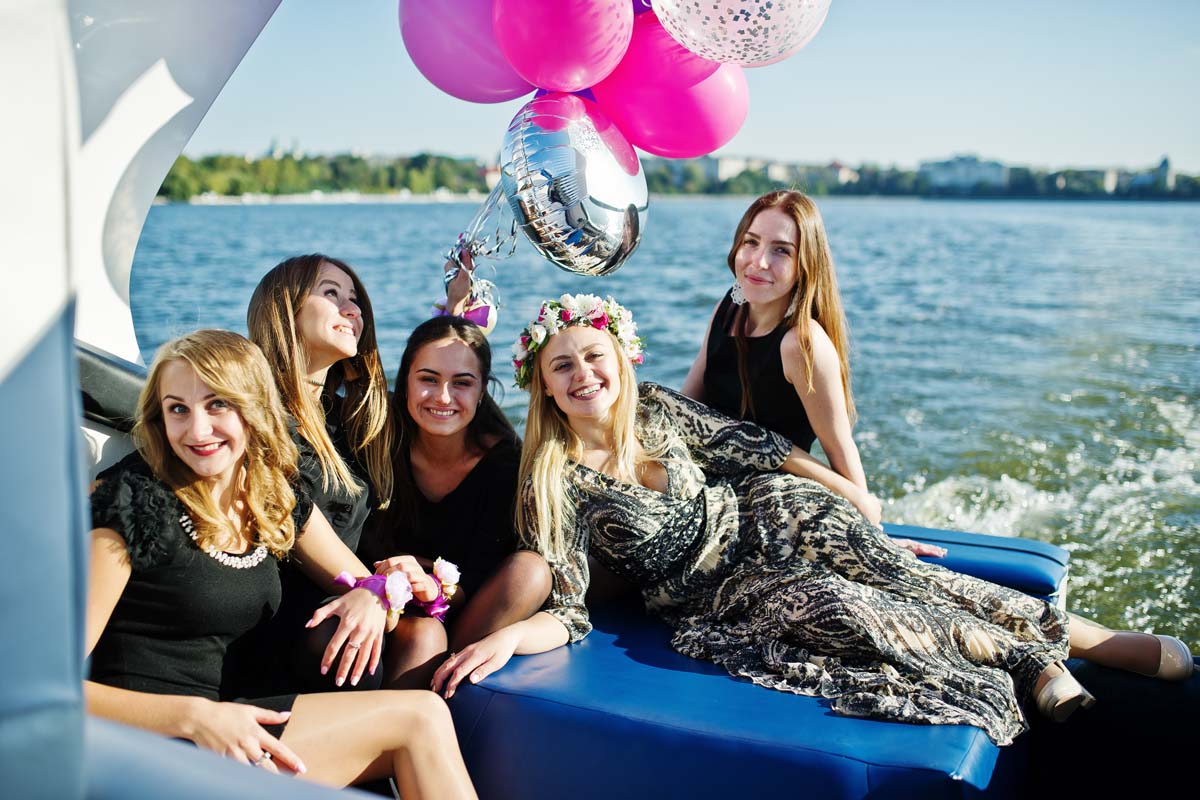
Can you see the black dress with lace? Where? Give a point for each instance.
(782, 582)
(181, 610)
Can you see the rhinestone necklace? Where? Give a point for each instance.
(248, 561)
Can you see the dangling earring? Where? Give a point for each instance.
(736, 294)
(792, 306)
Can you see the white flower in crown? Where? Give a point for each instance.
(580, 309)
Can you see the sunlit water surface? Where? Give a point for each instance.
(1025, 369)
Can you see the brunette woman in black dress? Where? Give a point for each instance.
(455, 478)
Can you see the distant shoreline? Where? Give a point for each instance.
(316, 198)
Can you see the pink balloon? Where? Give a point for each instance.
(451, 42)
(669, 101)
(563, 45)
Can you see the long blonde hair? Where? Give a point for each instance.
(551, 449)
(271, 319)
(815, 295)
(236, 371)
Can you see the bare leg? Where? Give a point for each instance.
(1128, 650)
(516, 590)
(413, 652)
(347, 738)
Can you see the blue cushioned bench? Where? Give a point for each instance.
(621, 714)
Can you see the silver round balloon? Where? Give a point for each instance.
(573, 184)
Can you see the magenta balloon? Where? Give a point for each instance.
(563, 45)
(670, 102)
(451, 42)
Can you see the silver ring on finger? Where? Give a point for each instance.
(265, 757)
(353, 645)
(450, 275)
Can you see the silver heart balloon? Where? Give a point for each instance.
(573, 184)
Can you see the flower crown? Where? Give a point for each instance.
(574, 309)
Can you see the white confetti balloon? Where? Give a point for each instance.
(752, 33)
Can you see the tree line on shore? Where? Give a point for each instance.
(425, 173)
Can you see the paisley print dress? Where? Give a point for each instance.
(784, 583)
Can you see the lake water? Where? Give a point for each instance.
(1026, 369)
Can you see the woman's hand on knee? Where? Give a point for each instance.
(235, 730)
(359, 635)
(424, 586)
(475, 662)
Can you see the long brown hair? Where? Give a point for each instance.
(488, 428)
(237, 372)
(271, 319)
(815, 295)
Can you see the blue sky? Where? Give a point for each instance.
(1041, 82)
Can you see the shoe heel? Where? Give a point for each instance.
(1174, 660)
(1062, 696)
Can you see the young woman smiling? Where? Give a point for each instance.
(755, 566)
(313, 320)
(455, 477)
(777, 347)
(187, 533)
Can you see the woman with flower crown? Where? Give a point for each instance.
(185, 548)
(755, 565)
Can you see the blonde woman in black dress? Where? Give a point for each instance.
(186, 537)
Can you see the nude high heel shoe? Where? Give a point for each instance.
(1175, 660)
(1062, 695)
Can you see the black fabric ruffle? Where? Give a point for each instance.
(134, 503)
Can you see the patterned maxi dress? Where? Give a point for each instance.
(780, 581)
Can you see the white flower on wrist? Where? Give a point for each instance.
(446, 572)
(398, 590)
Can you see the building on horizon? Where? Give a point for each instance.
(963, 173)
(1161, 177)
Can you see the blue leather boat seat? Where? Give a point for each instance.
(621, 714)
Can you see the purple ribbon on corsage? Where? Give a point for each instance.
(393, 589)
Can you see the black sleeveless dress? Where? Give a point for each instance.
(471, 526)
(182, 611)
(777, 407)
